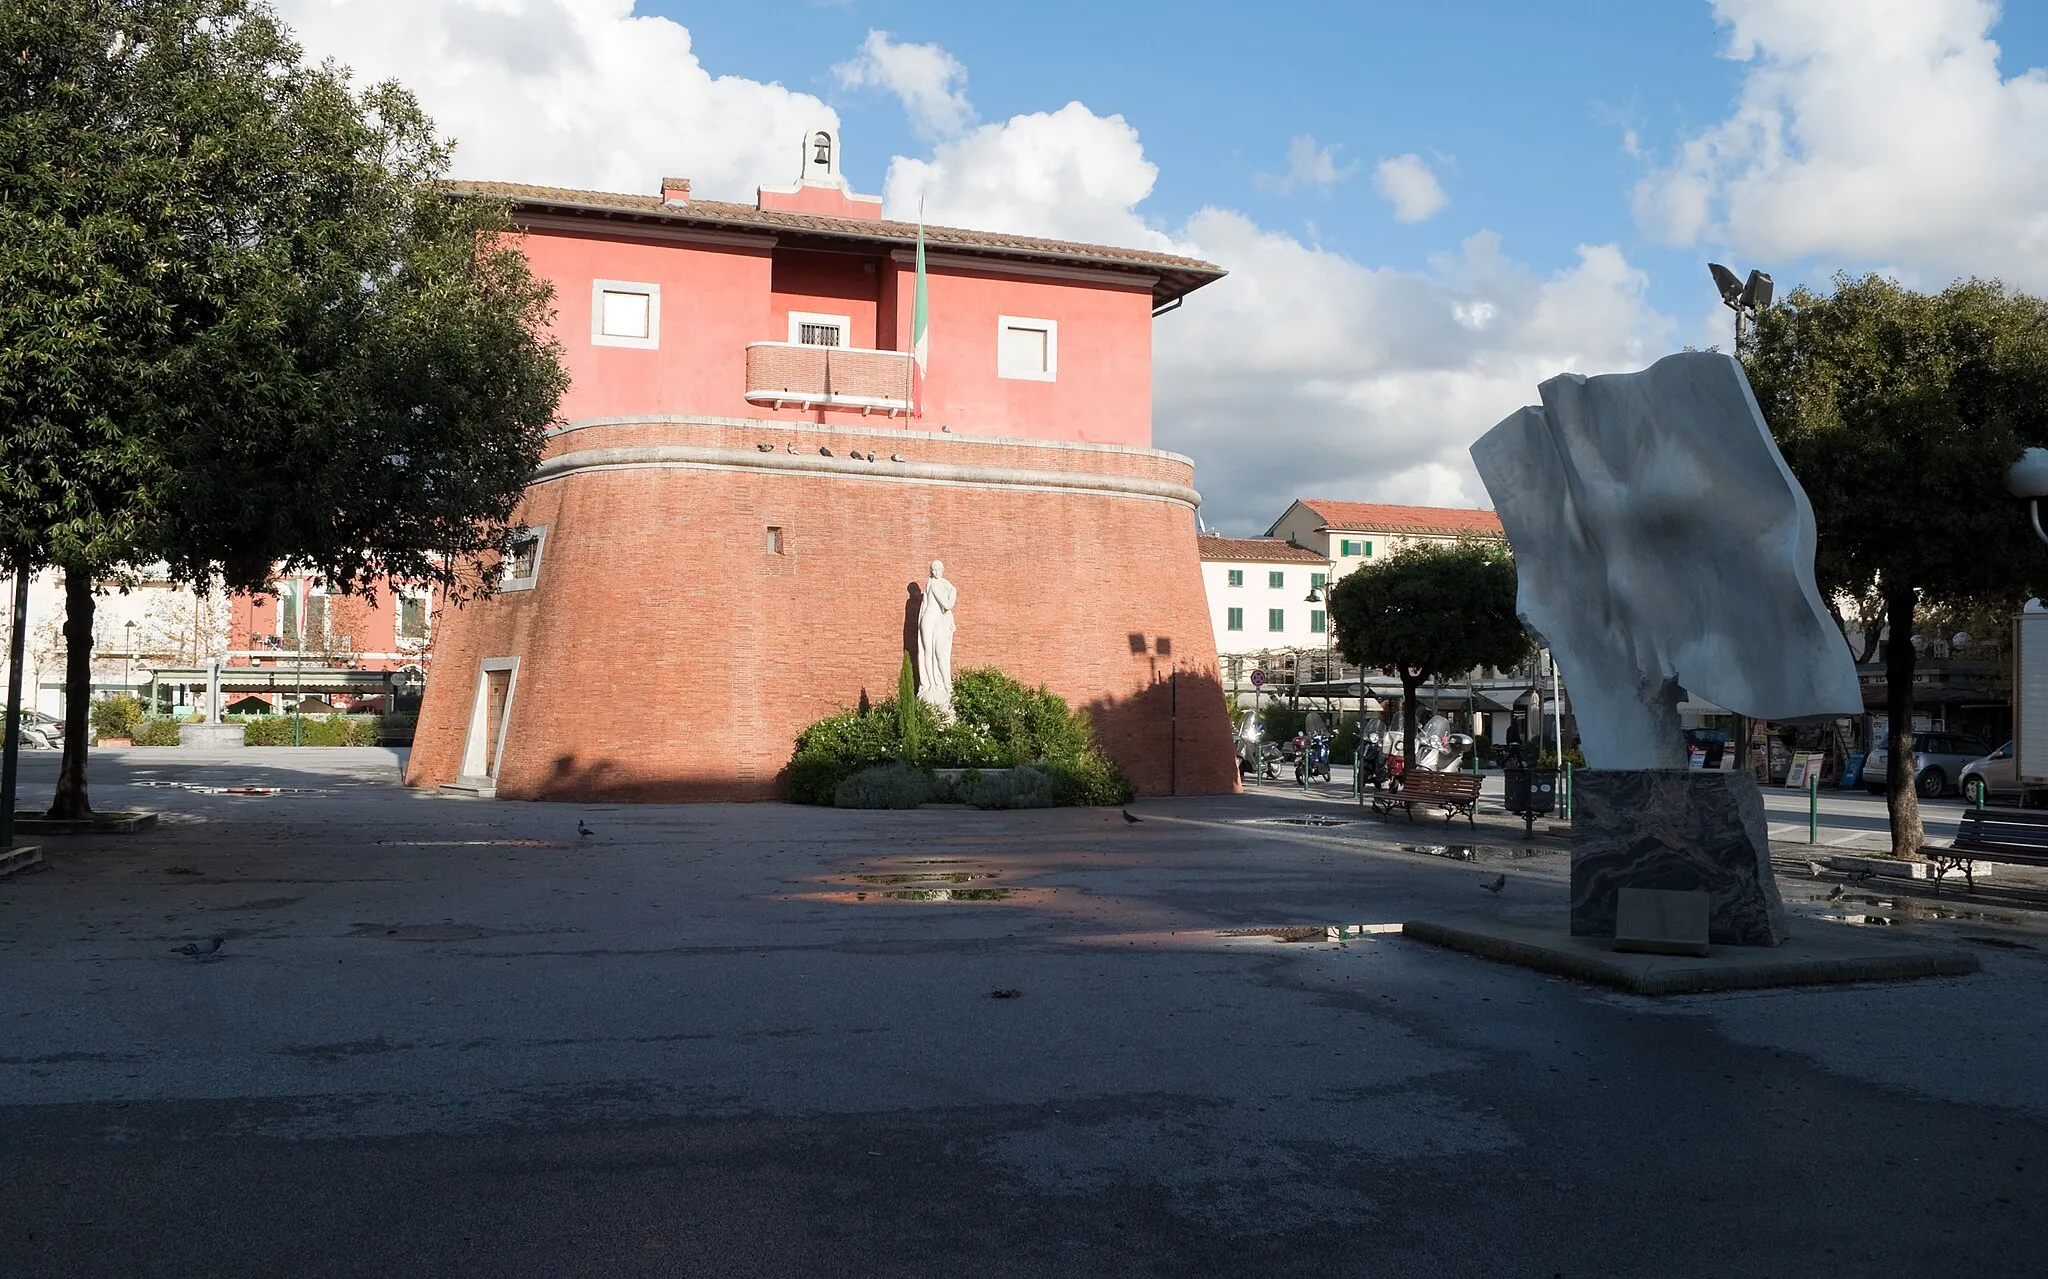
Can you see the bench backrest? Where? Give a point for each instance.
(1441, 785)
(2014, 829)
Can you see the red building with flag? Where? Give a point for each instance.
(753, 472)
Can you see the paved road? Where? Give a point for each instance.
(452, 1037)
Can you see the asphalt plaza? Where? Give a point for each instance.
(457, 1037)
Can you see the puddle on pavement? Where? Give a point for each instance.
(1286, 932)
(1309, 820)
(1900, 912)
(197, 789)
(949, 894)
(447, 931)
(944, 877)
(472, 843)
(1472, 852)
(933, 896)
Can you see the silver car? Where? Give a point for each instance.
(1938, 762)
(1991, 779)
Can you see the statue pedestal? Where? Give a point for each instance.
(1674, 829)
(214, 735)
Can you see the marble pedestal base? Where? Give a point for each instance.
(214, 735)
(1674, 829)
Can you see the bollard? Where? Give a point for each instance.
(1567, 790)
(1813, 808)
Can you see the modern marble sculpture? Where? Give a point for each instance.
(1664, 548)
(935, 641)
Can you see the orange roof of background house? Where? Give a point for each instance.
(1270, 550)
(1375, 517)
(1174, 275)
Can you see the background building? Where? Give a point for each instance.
(732, 525)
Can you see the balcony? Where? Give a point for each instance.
(789, 375)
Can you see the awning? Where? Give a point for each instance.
(278, 679)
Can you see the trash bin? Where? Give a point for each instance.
(1852, 772)
(1531, 793)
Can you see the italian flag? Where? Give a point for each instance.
(920, 317)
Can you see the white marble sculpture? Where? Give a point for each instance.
(935, 642)
(1664, 548)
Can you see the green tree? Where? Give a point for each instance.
(1431, 610)
(1900, 413)
(243, 324)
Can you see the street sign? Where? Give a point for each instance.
(1258, 679)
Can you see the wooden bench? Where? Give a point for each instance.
(2015, 835)
(1455, 793)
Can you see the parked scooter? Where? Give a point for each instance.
(1372, 764)
(1313, 763)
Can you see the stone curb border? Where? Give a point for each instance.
(20, 858)
(85, 826)
(1667, 975)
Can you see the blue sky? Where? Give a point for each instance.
(1526, 104)
(1426, 209)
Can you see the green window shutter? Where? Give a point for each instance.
(1276, 619)
(1368, 549)
(1347, 547)
(1317, 580)
(1277, 580)
(1236, 619)
(1237, 577)
(1315, 620)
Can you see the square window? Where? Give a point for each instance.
(1316, 622)
(1277, 581)
(625, 313)
(1316, 581)
(1345, 546)
(1027, 349)
(1237, 577)
(1276, 619)
(1236, 620)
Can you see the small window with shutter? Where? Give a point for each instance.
(809, 329)
(1027, 349)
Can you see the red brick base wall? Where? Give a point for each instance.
(666, 653)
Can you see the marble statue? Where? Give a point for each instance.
(1663, 548)
(935, 641)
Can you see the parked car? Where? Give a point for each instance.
(40, 731)
(1938, 762)
(1991, 779)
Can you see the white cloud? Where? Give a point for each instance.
(1308, 165)
(582, 93)
(1406, 183)
(927, 79)
(1868, 130)
(1302, 369)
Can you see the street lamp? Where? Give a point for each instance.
(128, 658)
(2028, 480)
(1744, 297)
(1315, 596)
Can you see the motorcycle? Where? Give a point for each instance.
(1313, 761)
(1372, 765)
(1258, 759)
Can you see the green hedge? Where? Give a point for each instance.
(327, 730)
(157, 732)
(997, 723)
(116, 716)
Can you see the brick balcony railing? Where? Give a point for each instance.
(785, 374)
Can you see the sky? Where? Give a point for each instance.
(1425, 209)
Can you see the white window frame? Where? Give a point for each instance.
(540, 548)
(1004, 323)
(598, 337)
(474, 753)
(797, 320)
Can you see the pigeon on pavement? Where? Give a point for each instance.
(1499, 882)
(201, 949)
(1835, 893)
(582, 831)
(1814, 869)
(1132, 820)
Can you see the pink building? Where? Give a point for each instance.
(751, 475)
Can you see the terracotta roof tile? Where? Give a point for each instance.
(1184, 274)
(1258, 550)
(1374, 517)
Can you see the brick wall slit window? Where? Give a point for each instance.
(625, 313)
(775, 539)
(1276, 619)
(1027, 349)
(1316, 622)
(522, 567)
(1235, 620)
(1237, 577)
(1277, 581)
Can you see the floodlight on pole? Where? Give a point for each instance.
(1744, 297)
(2028, 479)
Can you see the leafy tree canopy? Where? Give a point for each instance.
(242, 323)
(1431, 610)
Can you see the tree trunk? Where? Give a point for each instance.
(1409, 683)
(70, 801)
(1903, 799)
